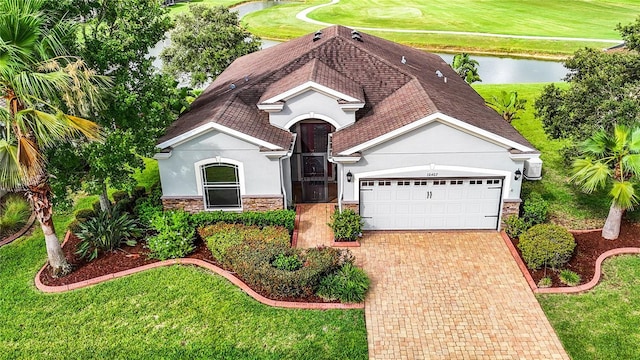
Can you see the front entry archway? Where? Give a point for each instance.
(313, 176)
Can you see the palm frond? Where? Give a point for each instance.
(47, 128)
(30, 159)
(590, 175)
(11, 177)
(623, 194)
(621, 135)
(634, 141)
(88, 128)
(597, 145)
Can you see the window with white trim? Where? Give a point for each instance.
(221, 185)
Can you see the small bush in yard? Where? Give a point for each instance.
(14, 214)
(106, 232)
(175, 236)
(346, 225)
(515, 226)
(545, 282)
(535, 209)
(348, 284)
(119, 195)
(546, 245)
(288, 262)
(569, 277)
(83, 215)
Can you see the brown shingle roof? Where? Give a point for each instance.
(395, 93)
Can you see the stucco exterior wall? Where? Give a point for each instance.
(178, 173)
(435, 150)
(322, 106)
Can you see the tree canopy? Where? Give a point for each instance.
(206, 41)
(603, 89)
(115, 38)
(466, 67)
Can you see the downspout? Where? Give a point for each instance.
(280, 160)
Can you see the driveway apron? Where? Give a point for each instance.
(451, 295)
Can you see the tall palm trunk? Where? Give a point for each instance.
(611, 229)
(39, 196)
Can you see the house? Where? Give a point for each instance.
(342, 116)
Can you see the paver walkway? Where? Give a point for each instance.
(445, 295)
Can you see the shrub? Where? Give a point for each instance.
(96, 207)
(545, 282)
(147, 208)
(252, 259)
(285, 218)
(138, 193)
(125, 204)
(119, 195)
(348, 284)
(515, 226)
(546, 245)
(83, 215)
(535, 209)
(346, 225)
(175, 236)
(569, 277)
(222, 236)
(106, 232)
(15, 214)
(288, 262)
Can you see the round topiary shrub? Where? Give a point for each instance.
(546, 245)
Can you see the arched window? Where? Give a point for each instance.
(221, 186)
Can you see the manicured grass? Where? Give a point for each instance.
(568, 205)
(174, 312)
(540, 18)
(602, 323)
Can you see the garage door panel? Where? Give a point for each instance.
(387, 204)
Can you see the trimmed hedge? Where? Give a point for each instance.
(221, 236)
(284, 218)
(252, 261)
(546, 245)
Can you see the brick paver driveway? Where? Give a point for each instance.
(450, 295)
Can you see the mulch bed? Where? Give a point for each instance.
(128, 257)
(589, 246)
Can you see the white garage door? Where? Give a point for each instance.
(405, 204)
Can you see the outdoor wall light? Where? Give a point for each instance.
(349, 176)
(518, 174)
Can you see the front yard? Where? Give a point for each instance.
(173, 312)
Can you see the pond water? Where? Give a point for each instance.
(492, 69)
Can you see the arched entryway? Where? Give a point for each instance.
(313, 176)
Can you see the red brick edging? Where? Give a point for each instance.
(572, 289)
(345, 244)
(186, 261)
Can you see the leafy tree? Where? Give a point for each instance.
(603, 90)
(205, 41)
(508, 105)
(38, 78)
(114, 39)
(611, 160)
(466, 67)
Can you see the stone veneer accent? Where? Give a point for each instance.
(194, 204)
(191, 204)
(353, 205)
(511, 207)
(262, 202)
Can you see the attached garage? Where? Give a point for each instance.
(430, 204)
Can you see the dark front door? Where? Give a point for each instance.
(313, 168)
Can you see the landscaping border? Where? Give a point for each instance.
(21, 232)
(186, 261)
(572, 289)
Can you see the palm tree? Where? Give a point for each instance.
(611, 160)
(37, 79)
(466, 67)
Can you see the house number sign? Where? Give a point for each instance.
(432, 174)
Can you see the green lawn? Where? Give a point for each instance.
(181, 7)
(173, 312)
(516, 17)
(568, 205)
(603, 323)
